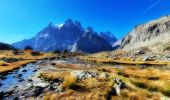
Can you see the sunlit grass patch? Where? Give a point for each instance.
(10, 61)
(26, 55)
(72, 66)
(153, 86)
(120, 57)
(68, 79)
(88, 89)
(2, 63)
(74, 95)
(51, 76)
(13, 66)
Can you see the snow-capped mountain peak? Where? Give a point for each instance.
(69, 35)
(59, 26)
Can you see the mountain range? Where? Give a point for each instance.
(71, 36)
(154, 35)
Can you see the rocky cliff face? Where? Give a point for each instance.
(152, 34)
(90, 42)
(69, 35)
(108, 36)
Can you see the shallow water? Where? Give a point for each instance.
(12, 79)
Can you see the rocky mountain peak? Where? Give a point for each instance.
(89, 30)
(64, 36)
(68, 23)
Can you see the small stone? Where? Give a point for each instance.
(103, 76)
(34, 70)
(117, 89)
(43, 85)
(18, 76)
(37, 90)
(24, 70)
(30, 80)
(20, 80)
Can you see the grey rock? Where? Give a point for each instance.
(103, 75)
(24, 70)
(81, 75)
(35, 70)
(149, 58)
(35, 91)
(18, 76)
(119, 84)
(43, 85)
(21, 79)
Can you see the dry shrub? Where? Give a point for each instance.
(69, 81)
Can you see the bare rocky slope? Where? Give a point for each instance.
(154, 35)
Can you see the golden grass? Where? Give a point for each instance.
(121, 57)
(75, 66)
(68, 79)
(143, 84)
(53, 75)
(124, 61)
(73, 95)
(153, 86)
(151, 79)
(13, 66)
(26, 55)
(24, 58)
(72, 66)
(89, 89)
(2, 63)
(96, 89)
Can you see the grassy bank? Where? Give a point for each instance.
(10, 61)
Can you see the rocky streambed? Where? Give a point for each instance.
(26, 81)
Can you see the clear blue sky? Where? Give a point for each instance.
(20, 19)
